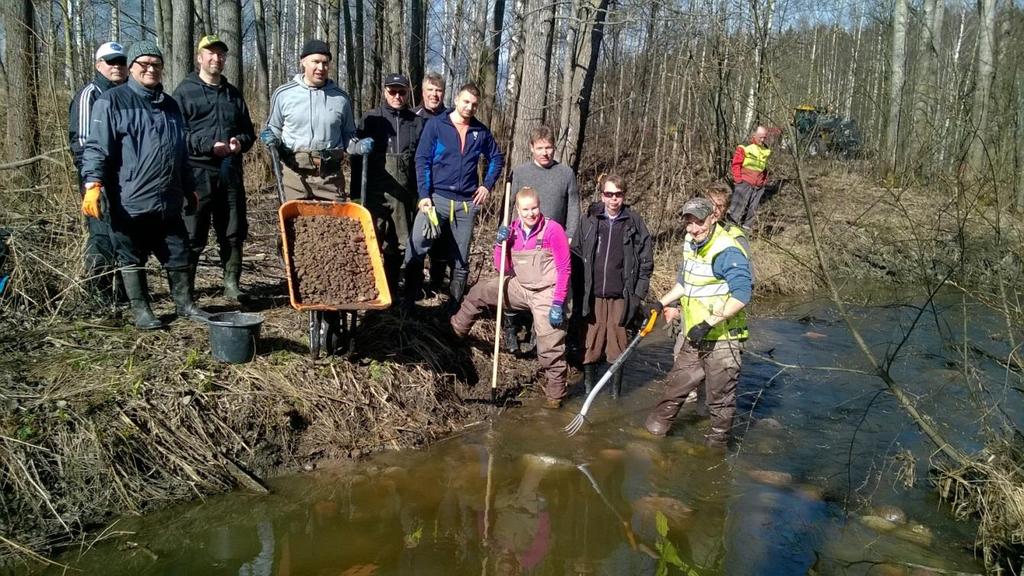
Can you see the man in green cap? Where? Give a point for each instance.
(136, 174)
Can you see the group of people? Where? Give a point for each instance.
(157, 170)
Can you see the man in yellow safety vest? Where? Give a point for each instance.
(749, 173)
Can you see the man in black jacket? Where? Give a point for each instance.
(618, 260)
(219, 131)
(137, 178)
(390, 193)
(111, 70)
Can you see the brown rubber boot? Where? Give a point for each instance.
(660, 420)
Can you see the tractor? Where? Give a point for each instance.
(820, 133)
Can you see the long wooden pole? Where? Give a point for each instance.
(501, 295)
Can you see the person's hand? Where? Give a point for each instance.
(670, 315)
(221, 149)
(697, 333)
(656, 308)
(365, 146)
(503, 234)
(425, 205)
(234, 146)
(555, 315)
(191, 203)
(91, 200)
(268, 138)
(480, 196)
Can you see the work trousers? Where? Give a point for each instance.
(457, 216)
(745, 200)
(604, 335)
(308, 183)
(393, 214)
(717, 364)
(100, 256)
(222, 201)
(550, 341)
(160, 234)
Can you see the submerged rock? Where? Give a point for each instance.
(771, 477)
(916, 533)
(768, 424)
(877, 523)
(677, 513)
(891, 513)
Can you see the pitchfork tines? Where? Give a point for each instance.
(576, 425)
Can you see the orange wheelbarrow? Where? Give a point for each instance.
(332, 326)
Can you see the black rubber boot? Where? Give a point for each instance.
(232, 274)
(138, 297)
(589, 376)
(457, 289)
(184, 304)
(509, 333)
(413, 285)
(393, 271)
(616, 383)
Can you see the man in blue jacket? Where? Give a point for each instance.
(135, 168)
(449, 187)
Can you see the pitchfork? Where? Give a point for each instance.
(577, 422)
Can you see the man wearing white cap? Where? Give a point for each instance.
(111, 70)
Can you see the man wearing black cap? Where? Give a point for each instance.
(713, 288)
(311, 123)
(135, 168)
(219, 132)
(390, 193)
(111, 71)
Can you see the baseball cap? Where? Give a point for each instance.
(109, 51)
(396, 80)
(700, 208)
(211, 40)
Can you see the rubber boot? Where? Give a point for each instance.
(457, 289)
(135, 287)
(660, 420)
(589, 376)
(509, 334)
(232, 274)
(616, 384)
(413, 285)
(393, 271)
(184, 304)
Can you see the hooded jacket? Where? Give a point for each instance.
(308, 118)
(137, 149)
(442, 167)
(638, 259)
(80, 115)
(212, 114)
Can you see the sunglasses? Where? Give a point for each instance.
(613, 194)
(117, 62)
(396, 92)
(150, 65)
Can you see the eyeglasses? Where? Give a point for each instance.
(117, 62)
(396, 92)
(150, 65)
(613, 194)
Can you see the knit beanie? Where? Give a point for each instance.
(315, 47)
(143, 48)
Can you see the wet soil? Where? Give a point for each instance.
(330, 260)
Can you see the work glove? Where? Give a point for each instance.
(556, 315)
(91, 200)
(432, 229)
(191, 203)
(361, 147)
(697, 333)
(268, 138)
(655, 308)
(503, 234)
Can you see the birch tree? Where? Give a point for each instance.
(229, 19)
(897, 76)
(531, 108)
(20, 48)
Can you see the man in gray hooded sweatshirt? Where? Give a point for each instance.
(311, 122)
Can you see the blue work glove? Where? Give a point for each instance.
(268, 138)
(365, 146)
(555, 315)
(503, 234)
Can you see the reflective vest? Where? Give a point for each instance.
(755, 158)
(736, 233)
(703, 292)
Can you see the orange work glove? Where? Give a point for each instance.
(91, 201)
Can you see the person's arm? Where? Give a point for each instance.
(733, 267)
(275, 121)
(508, 250)
(495, 160)
(79, 118)
(246, 135)
(425, 160)
(348, 128)
(645, 253)
(558, 243)
(199, 144)
(102, 141)
(737, 163)
(572, 215)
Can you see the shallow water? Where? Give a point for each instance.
(517, 496)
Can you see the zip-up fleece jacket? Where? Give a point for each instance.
(442, 167)
(306, 118)
(637, 257)
(212, 114)
(394, 131)
(80, 115)
(136, 148)
(554, 240)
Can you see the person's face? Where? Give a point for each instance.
(433, 95)
(612, 197)
(543, 152)
(396, 96)
(115, 70)
(315, 68)
(148, 70)
(211, 60)
(760, 135)
(698, 229)
(529, 210)
(465, 105)
(720, 207)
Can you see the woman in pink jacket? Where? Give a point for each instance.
(537, 272)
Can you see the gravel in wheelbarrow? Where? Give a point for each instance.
(330, 260)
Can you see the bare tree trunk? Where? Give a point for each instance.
(455, 36)
(276, 29)
(71, 73)
(851, 77)
(927, 84)
(377, 57)
(181, 42)
(229, 16)
(22, 117)
(360, 41)
(350, 56)
(515, 66)
(333, 38)
(762, 18)
(984, 66)
(417, 39)
(262, 69)
(897, 75)
(531, 109)
(115, 19)
(394, 36)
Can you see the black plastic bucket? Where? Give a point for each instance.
(233, 336)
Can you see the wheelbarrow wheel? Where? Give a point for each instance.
(316, 320)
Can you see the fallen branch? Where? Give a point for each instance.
(37, 158)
